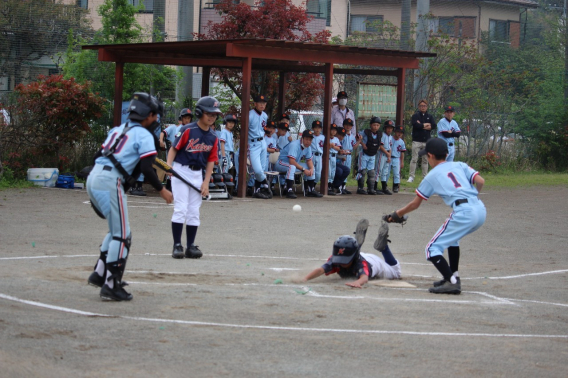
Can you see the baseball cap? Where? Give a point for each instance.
(333, 126)
(449, 109)
(284, 125)
(308, 134)
(342, 94)
(260, 98)
(271, 124)
(399, 128)
(347, 122)
(316, 124)
(435, 146)
(285, 116)
(341, 131)
(388, 123)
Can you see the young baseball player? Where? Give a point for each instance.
(458, 185)
(334, 147)
(383, 161)
(348, 143)
(370, 141)
(448, 130)
(317, 148)
(287, 138)
(257, 147)
(291, 160)
(194, 150)
(397, 157)
(341, 171)
(348, 261)
(270, 140)
(226, 143)
(128, 150)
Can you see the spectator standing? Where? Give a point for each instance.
(422, 125)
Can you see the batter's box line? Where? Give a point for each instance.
(276, 328)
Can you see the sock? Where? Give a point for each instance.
(389, 258)
(264, 183)
(109, 281)
(442, 265)
(454, 257)
(177, 230)
(100, 268)
(257, 185)
(290, 185)
(191, 231)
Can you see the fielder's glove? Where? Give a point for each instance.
(394, 218)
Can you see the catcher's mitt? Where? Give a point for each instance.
(394, 218)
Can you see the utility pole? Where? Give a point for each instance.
(405, 25)
(185, 33)
(422, 9)
(159, 28)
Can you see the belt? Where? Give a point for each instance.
(450, 144)
(333, 155)
(193, 167)
(107, 168)
(460, 201)
(317, 153)
(256, 140)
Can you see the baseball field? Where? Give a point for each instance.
(242, 310)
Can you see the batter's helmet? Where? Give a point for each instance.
(375, 119)
(207, 104)
(345, 249)
(141, 105)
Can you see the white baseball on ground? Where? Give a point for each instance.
(297, 208)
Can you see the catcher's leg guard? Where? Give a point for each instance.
(361, 183)
(113, 288)
(371, 182)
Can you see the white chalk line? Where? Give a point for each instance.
(278, 328)
(518, 275)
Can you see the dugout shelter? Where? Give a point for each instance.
(268, 55)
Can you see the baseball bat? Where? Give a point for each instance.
(160, 164)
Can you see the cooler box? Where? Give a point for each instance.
(67, 182)
(43, 176)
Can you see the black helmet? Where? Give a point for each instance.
(207, 104)
(141, 105)
(345, 249)
(185, 112)
(375, 119)
(388, 123)
(230, 118)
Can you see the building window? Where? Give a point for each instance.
(83, 4)
(320, 9)
(365, 24)
(148, 5)
(457, 27)
(499, 31)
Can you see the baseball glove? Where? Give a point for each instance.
(394, 218)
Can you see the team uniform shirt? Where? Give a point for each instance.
(348, 142)
(196, 147)
(270, 141)
(398, 147)
(227, 137)
(138, 143)
(386, 141)
(296, 151)
(338, 116)
(451, 181)
(257, 122)
(317, 144)
(359, 267)
(445, 125)
(171, 132)
(283, 141)
(334, 142)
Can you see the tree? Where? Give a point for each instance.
(33, 29)
(274, 19)
(119, 26)
(47, 117)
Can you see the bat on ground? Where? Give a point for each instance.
(160, 164)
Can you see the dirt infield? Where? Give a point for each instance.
(224, 315)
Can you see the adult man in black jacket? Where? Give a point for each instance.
(422, 125)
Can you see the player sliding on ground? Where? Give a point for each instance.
(454, 182)
(347, 260)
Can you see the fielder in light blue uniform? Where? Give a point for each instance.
(257, 147)
(458, 185)
(317, 149)
(448, 130)
(128, 150)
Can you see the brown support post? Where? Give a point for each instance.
(205, 81)
(281, 94)
(243, 145)
(328, 77)
(400, 96)
(118, 86)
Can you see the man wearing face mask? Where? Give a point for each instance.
(341, 112)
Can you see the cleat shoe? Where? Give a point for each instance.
(267, 192)
(361, 231)
(361, 191)
(442, 281)
(99, 281)
(260, 195)
(345, 191)
(410, 179)
(446, 288)
(382, 238)
(193, 252)
(291, 194)
(395, 188)
(177, 253)
(117, 293)
(371, 192)
(314, 194)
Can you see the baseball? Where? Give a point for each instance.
(297, 208)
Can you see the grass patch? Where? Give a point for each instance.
(8, 181)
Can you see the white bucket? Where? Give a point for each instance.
(43, 176)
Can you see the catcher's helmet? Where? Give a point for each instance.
(141, 105)
(375, 119)
(207, 104)
(345, 248)
(230, 118)
(185, 112)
